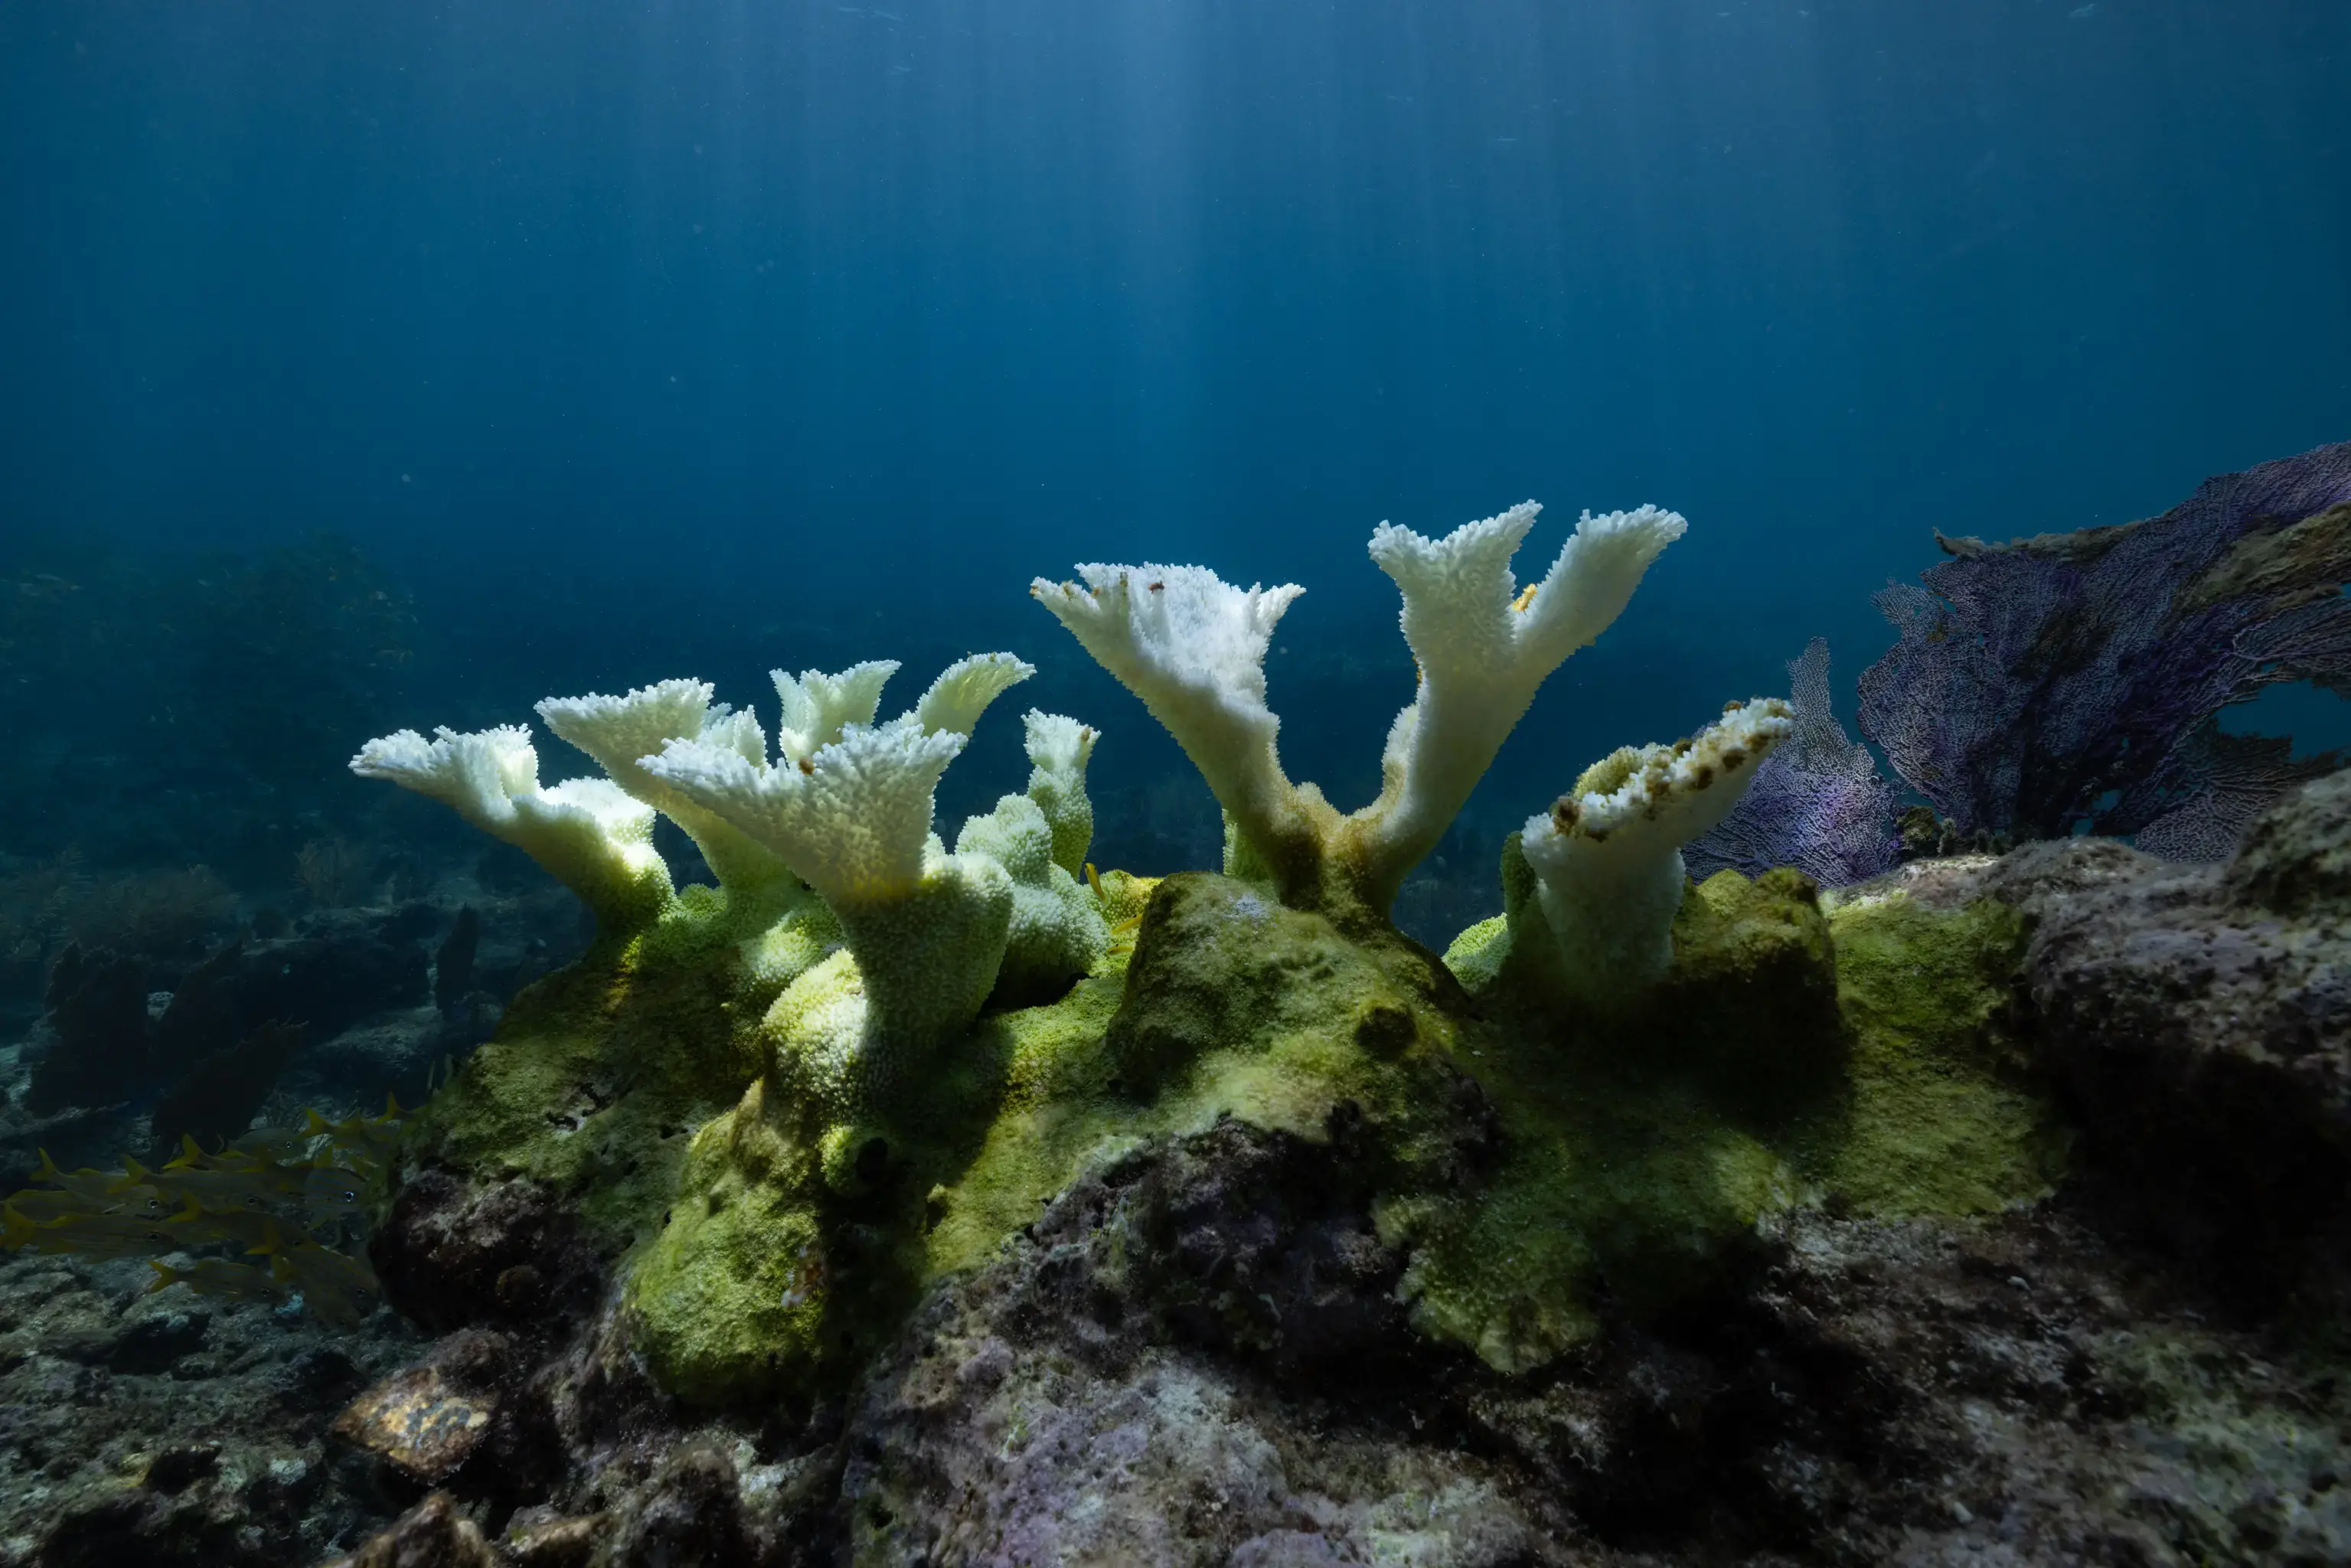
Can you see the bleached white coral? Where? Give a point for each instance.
(923, 964)
(1607, 855)
(1484, 649)
(819, 708)
(964, 688)
(588, 833)
(849, 820)
(1057, 930)
(618, 732)
(1193, 648)
(852, 819)
(1058, 749)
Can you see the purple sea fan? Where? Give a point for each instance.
(2067, 683)
(1818, 803)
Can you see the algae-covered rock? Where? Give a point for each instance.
(597, 1072)
(2199, 1019)
(1788, 1056)
(1640, 1149)
(1219, 965)
(1533, 1163)
(1943, 1114)
(730, 1296)
(2296, 857)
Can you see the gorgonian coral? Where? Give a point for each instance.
(2069, 682)
(1818, 803)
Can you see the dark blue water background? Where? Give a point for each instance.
(649, 339)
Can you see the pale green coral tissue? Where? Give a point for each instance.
(863, 1060)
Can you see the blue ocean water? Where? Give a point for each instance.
(641, 340)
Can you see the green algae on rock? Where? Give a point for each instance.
(796, 1102)
(1788, 1056)
(1944, 1115)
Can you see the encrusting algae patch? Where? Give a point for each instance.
(790, 1103)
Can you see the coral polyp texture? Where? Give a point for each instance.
(1607, 856)
(786, 1108)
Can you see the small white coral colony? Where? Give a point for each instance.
(1607, 856)
(851, 815)
(844, 810)
(1193, 648)
(1058, 751)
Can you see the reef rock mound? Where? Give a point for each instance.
(1202, 1349)
(2198, 1021)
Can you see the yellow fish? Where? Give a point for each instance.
(199, 1227)
(97, 1189)
(275, 1144)
(42, 1204)
(94, 1235)
(218, 1277)
(335, 1285)
(215, 1188)
(331, 1190)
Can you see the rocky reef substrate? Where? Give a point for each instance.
(2098, 1321)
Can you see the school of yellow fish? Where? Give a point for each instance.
(290, 1195)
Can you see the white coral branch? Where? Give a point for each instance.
(819, 708)
(964, 688)
(1058, 749)
(852, 820)
(1607, 856)
(588, 833)
(1193, 647)
(1484, 650)
(618, 732)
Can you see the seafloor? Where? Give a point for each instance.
(2144, 1366)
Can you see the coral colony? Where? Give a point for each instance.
(864, 1058)
(2068, 683)
(1818, 803)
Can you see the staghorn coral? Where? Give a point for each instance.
(1193, 648)
(588, 833)
(851, 949)
(2067, 683)
(848, 808)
